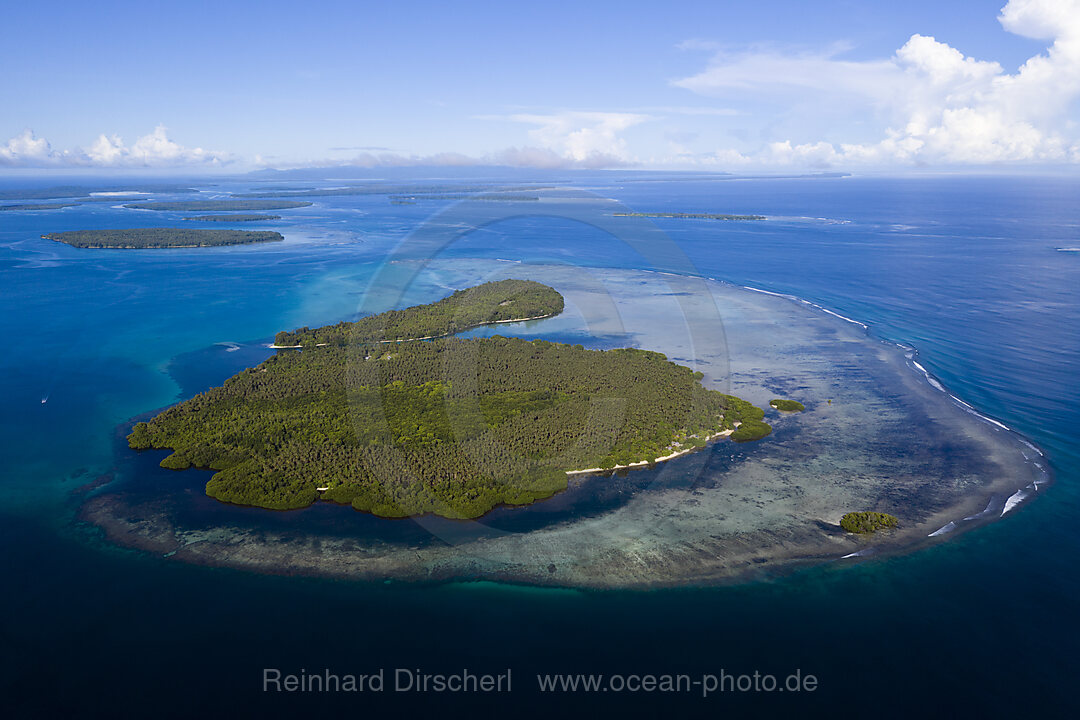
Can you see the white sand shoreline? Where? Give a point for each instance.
(646, 463)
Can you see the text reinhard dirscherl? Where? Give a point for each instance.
(400, 680)
(467, 681)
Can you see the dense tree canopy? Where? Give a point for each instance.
(233, 218)
(37, 206)
(867, 521)
(142, 238)
(450, 426)
(493, 302)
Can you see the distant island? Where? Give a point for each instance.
(392, 189)
(481, 197)
(232, 218)
(791, 406)
(83, 192)
(38, 206)
(218, 205)
(696, 216)
(146, 238)
(362, 416)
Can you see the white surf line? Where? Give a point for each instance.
(911, 352)
(1018, 497)
(796, 298)
(946, 528)
(936, 384)
(1015, 499)
(984, 513)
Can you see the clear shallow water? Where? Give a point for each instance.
(965, 270)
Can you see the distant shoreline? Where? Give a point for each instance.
(690, 216)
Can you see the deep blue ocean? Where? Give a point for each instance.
(968, 270)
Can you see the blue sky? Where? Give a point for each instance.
(698, 85)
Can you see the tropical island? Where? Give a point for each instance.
(232, 218)
(693, 216)
(219, 205)
(867, 522)
(147, 238)
(789, 406)
(37, 206)
(394, 417)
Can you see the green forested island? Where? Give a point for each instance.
(219, 205)
(791, 406)
(490, 303)
(146, 238)
(867, 522)
(696, 216)
(38, 206)
(233, 218)
(449, 426)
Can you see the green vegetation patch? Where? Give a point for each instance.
(451, 426)
(146, 238)
(691, 216)
(233, 218)
(494, 302)
(219, 205)
(867, 522)
(751, 430)
(787, 405)
(38, 206)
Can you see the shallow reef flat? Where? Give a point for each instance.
(875, 436)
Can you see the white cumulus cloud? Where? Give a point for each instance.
(25, 146)
(152, 150)
(589, 139)
(933, 103)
